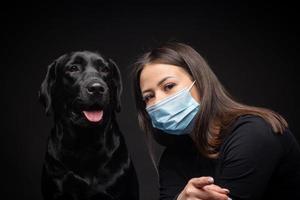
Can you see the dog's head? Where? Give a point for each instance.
(83, 87)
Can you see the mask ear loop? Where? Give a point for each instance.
(191, 86)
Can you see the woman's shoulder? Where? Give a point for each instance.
(250, 121)
(251, 130)
(253, 124)
(258, 126)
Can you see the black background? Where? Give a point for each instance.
(252, 48)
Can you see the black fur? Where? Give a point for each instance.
(85, 160)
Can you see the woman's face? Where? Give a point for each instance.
(158, 81)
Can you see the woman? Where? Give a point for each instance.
(216, 147)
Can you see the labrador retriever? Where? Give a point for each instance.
(86, 156)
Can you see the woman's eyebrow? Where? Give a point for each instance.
(159, 83)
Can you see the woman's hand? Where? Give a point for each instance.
(203, 189)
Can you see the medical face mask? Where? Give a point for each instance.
(175, 114)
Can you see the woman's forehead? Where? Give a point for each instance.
(153, 73)
(158, 71)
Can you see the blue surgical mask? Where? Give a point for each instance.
(175, 114)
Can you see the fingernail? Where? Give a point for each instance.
(229, 198)
(226, 190)
(211, 179)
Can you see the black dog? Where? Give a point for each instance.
(86, 156)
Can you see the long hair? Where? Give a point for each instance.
(218, 108)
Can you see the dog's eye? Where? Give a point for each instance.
(73, 68)
(104, 69)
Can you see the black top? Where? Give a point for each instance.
(254, 163)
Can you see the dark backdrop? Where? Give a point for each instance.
(251, 48)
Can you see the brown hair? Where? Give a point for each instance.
(218, 108)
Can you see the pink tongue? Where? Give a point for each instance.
(93, 116)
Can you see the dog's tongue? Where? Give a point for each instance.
(93, 116)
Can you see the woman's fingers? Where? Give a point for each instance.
(207, 183)
(216, 188)
(204, 189)
(191, 190)
(197, 193)
(212, 195)
(201, 181)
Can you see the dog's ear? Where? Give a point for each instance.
(117, 81)
(44, 94)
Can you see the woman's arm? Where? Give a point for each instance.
(171, 180)
(248, 158)
(175, 184)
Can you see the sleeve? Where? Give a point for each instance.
(171, 182)
(248, 158)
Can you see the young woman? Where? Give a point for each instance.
(216, 147)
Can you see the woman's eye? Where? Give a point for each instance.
(73, 68)
(146, 98)
(169, 86)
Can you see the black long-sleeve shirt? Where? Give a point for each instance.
(254, 163)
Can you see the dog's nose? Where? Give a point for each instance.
(95, 88)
